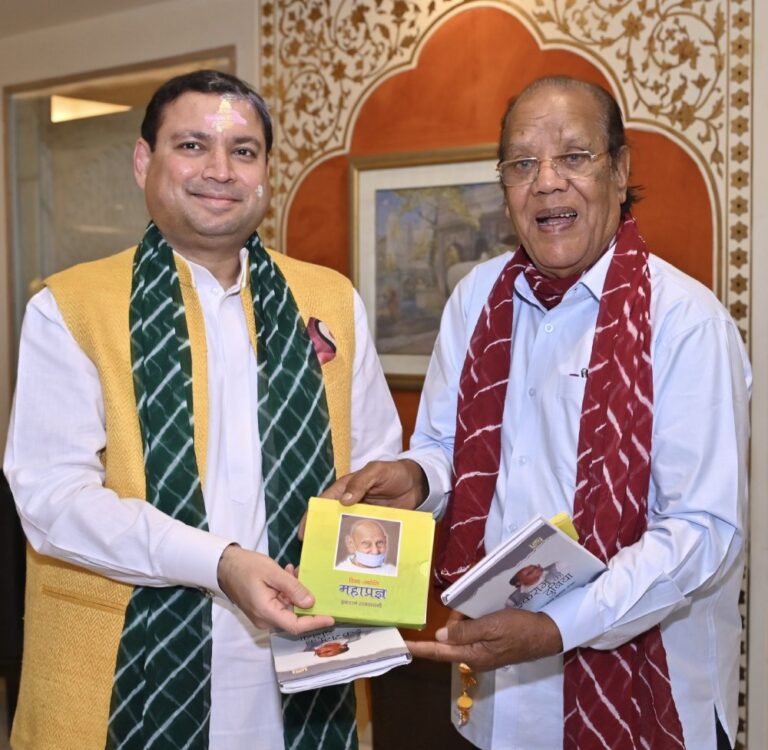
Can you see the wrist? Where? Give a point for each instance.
(222, 569)
(550, 639)
(419, 481)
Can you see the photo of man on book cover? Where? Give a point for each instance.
(368, 546)
(531, 580)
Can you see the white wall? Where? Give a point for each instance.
(153, 32)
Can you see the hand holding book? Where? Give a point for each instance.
(398, 484)
(526, 571)
(508, 636)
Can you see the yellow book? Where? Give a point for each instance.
(367, 564)
(563, 522)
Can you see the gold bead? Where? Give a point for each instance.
(464, 702)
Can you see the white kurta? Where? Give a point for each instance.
(685, 571)
(51, 461)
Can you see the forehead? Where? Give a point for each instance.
(556, 116)
(218, 113)
(369, 530)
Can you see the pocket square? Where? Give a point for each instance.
(322, 340)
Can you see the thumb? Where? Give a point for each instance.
(291, 588)
(457, 631)
(359, 484)
(337, 489)
(455, 616)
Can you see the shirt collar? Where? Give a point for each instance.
(199, 277)
(593, 280)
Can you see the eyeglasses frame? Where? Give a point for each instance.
(552, 161)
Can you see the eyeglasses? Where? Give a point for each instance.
(568, 166)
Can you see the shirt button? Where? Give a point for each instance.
(548, 327)
(531, 392)
(523, 460)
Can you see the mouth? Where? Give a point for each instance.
(216, 199)
(554, 219)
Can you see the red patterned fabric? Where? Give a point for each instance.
(618, 699)
(482, 390)
(477, 444)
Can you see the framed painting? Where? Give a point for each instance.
(420, 222)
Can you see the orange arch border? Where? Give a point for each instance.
(680, 216)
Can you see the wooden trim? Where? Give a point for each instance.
(162, 62)
(757, 634)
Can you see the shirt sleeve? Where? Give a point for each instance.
(376, 430)
(55, 437)
(698, 495)
(432, 441)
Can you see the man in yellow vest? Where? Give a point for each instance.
(176, 405)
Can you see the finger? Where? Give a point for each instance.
(290, 588)
(308, 623)
(359, 484)
(302, 526)
(290, 623)
(455, 616)
(460, 631)
(337, 489)
(440, 651)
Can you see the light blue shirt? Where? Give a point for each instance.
(685, 572)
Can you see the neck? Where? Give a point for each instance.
(223, 265)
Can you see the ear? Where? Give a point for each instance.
(142, 156)
(621, 171)
(350, 544)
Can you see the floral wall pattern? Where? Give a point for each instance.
(681, 67)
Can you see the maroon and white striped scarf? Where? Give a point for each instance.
(622, 698)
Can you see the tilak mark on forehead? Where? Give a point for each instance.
(225, 117)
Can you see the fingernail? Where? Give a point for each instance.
(441, 634)
(346, 496)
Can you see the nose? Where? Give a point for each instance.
(218, 166)
(547, 178)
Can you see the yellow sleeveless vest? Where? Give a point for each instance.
(74, 618)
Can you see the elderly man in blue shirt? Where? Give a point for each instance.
(584, 374)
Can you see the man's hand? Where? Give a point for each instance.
(400, 484)
(265, 592)
(496, 640)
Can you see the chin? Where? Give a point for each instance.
(559, 261)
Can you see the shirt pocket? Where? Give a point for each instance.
(571, 388)
(570, 395)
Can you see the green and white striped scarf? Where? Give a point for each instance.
(161, 692)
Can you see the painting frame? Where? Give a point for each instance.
(372, 180)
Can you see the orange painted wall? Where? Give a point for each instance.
(455, 97)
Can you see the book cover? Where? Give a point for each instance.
(526, 571)
(367, 564)
(334, 656)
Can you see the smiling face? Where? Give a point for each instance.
(367, 538)
(565, 225)
(207, 181)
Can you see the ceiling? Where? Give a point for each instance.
(20, 16)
